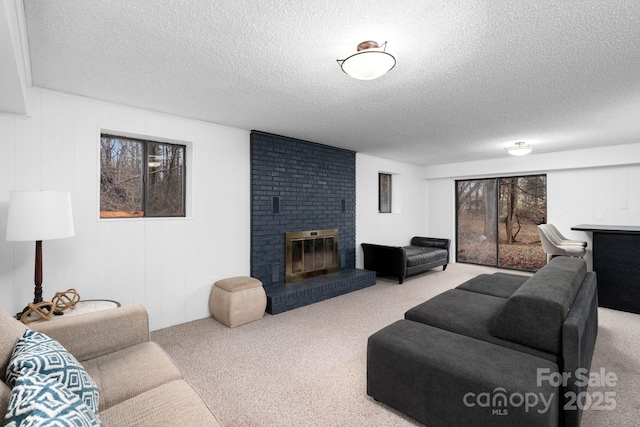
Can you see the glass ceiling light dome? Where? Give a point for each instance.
(520, 149)
(369, 62)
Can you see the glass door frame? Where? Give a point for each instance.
(495, 220)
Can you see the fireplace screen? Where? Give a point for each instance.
(311, 253)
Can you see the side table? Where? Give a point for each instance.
(81, 307)
(87, 306)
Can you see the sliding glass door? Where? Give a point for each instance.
(476, 221)
(497, 219)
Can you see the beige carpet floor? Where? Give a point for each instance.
(307, 367)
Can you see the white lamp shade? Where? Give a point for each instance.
(368, 64)
(39, 215)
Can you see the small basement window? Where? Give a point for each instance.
(384, 192)
(141, 178)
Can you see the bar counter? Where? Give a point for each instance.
(616, 261)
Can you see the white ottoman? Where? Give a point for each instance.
(237, 300)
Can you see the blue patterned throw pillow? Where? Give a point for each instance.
(38, 353)
(39, 401)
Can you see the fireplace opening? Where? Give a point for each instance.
(311, 253)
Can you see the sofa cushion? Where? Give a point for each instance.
(40, 400)
(534, 314)
(445, 379)
(5, 395)
(127, 373)
(470, 314)
(175, 404)
(100, 332)
(501, 285)
(418, 255)
(10, 332)
(433, 242)
(38, 353)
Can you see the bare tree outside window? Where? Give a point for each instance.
(497, 221)
(165, 184)
(384, 193)
(140, 178)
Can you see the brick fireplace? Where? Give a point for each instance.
(300, 186)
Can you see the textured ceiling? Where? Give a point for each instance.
(472, 77)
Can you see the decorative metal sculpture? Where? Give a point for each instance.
(65, 300)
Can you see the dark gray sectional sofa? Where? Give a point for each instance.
(424, 253)
(489, 352)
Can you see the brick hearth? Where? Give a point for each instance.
(284, 297)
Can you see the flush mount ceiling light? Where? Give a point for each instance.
(369, 62)
(520, 149)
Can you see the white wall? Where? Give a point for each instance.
(409, 217)
(166, 264)
(590, 186)
(169, 264)
(442, 208)
(13, 78)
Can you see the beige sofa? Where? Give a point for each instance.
(139, 383)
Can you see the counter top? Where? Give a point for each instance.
(622, 229)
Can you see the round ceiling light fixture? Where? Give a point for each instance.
(369, 62)
(521, 149)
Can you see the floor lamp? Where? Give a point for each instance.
(37, 216)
